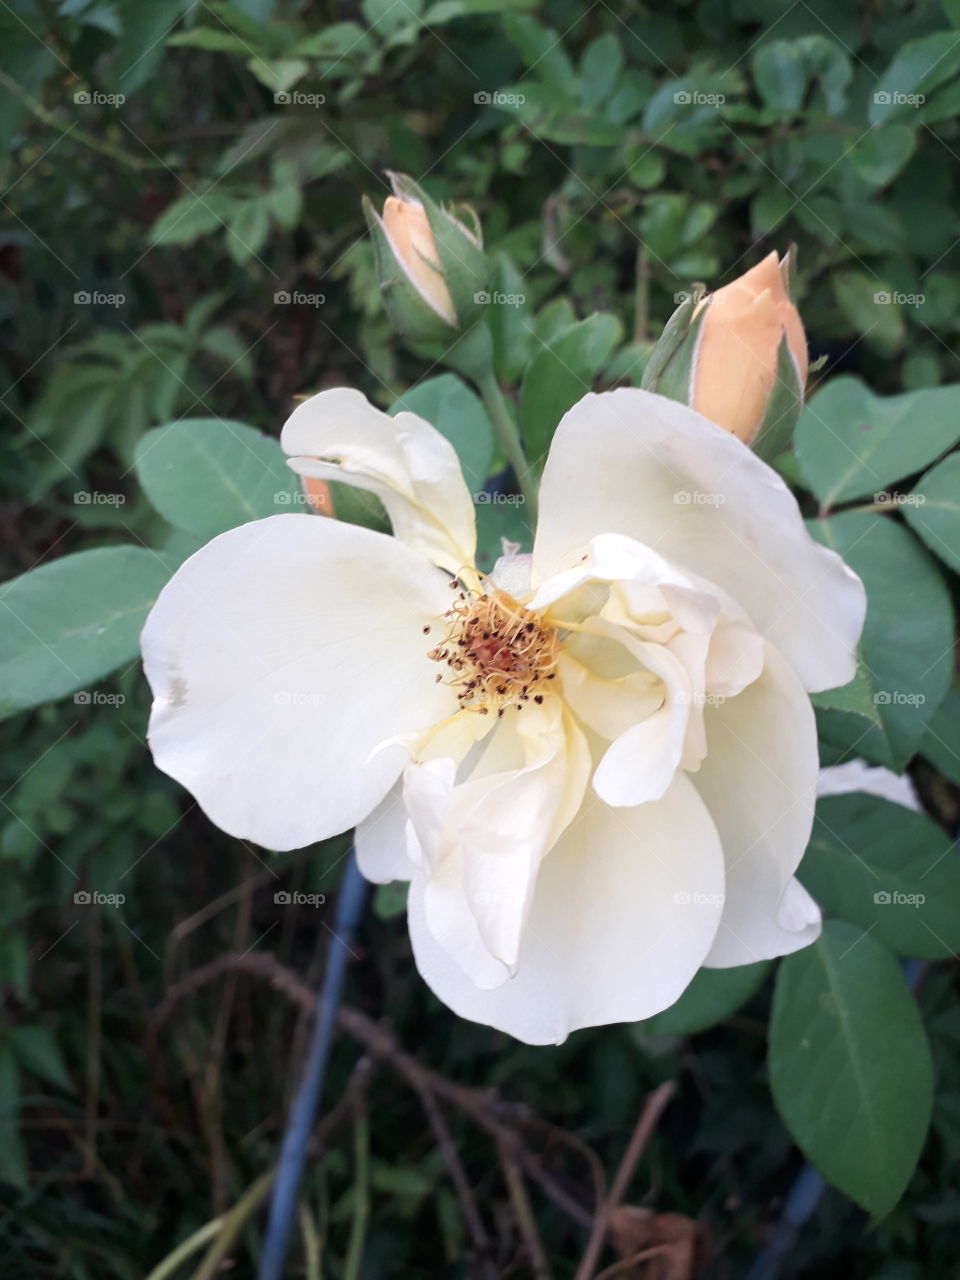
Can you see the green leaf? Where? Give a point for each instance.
(560, 374)
(908, 635)
(207, 475)
(712, 996)
(933, 508)
(941, 743)
(850, 1067)
(887, 869)
(853, 444)
(390, 900)
(13, 1160)
(278, 74)
(38, 1052)
(73, 621)
(458, 413)
(880, 154)
(552, 117)
(832, 69)
(248, 229)
(190, 217)
(871, 307)
(921, 65)
(214, 39)
(780, 73)
(141, 43)
(600, 69)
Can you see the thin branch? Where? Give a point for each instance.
(653, 1108)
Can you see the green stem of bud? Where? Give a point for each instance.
(472, 356)
(509, 439)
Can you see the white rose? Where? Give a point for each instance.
(596, 767)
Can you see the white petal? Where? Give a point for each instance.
(380, 841)
(625, 909)
(857, 775)
(635, 463)
(407, 463)
(280, 656)
(484, 837)
(758, 781)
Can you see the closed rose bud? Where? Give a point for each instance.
(430, 263)
(738, 356)
(408, 230)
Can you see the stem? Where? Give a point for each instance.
(294, 1149)
(509, 440)
(52, 121)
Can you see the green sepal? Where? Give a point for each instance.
(411, 314)
(783, 408)
(669, 369)
(463, 264)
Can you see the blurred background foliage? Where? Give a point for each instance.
(182, 238)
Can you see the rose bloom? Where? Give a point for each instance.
(595, 766)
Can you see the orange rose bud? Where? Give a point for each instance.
(408, 229)
(738, 356)
(736, 364)
(317, 493)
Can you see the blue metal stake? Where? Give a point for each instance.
(293, 1153)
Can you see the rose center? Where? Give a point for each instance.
(497, 653)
